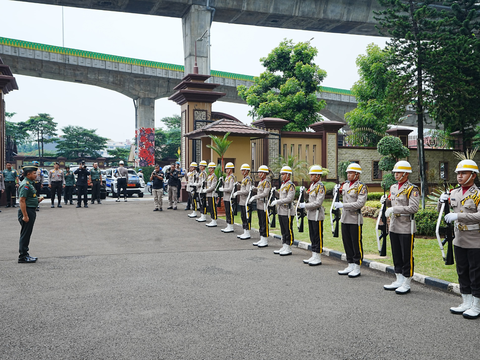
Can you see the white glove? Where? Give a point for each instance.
(234, 194)
(274, 202)
(251, 199)
(383, 199)
(337, 205)
(274, 188)
(301, 205)
(444, 197)
(203, 191)
(220, 188)
(389, 212)
(451, 217)
(336, 187)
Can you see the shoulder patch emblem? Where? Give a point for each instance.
(415, 193)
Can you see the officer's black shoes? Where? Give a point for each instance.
(170, 207)
(78, 206)
(8, 205)
(118, 200)
(156, 209)
(37, 209)
(99, 202)
(160, 209)
(52, 206)
(59, 205)
(71, 202)
(187, 208)
(85, 205)
(125, 200)
(27, 260)
(175, 208)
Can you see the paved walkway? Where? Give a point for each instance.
(119, 281)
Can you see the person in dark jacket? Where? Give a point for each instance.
(82, 184)
(173, 178)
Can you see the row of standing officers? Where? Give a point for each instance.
(403, 201)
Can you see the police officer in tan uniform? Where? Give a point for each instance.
(404, 198)
(465, 204)
(354, 198)
(227, 190)
(263, 191)
(56, 182)
(210, 190)
(202, 179)
(285, 211)
(245, 186)
(191, 177)
(315, 214)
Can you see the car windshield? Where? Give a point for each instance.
(132, 172)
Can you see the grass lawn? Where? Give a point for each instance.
(428, 258)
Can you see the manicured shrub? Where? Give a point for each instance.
(426, 222)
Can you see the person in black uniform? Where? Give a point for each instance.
(82, 183)
(26, 214)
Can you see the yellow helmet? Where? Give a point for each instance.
(355, 168)
(316, 170)
(467, 165)
(286, 170)
(212, 165)
(402, 166)
(193, 164)
(263, 168)
(203, 163)
(229, 165)
(245, 167)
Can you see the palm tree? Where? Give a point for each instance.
(299, 167)
(220, 146)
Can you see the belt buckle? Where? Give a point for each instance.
(462, 227)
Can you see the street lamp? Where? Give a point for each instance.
(195, 68)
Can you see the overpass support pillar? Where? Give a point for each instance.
(145, 131)
(194, 24)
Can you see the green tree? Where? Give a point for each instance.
(220, 146)
(370, 119)
(78, 142)
(412, 26)
(456, 71)
(15, 135)
(288, 87)
(168, 141)
(392, 149)
(119, 153)
(43, 128)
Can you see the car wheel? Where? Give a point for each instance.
(140, 195)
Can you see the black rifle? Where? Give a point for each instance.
(448, 232)
(300, 212)
(382, 237)
(233, 200)
(335, 218)
(272, 210)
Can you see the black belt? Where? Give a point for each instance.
(58, 181)
(9, 182)
(95, 179)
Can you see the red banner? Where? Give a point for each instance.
(146, 146)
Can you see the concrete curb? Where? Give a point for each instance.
(426, 280)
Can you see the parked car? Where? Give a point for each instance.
(134, 184)
(103, 191)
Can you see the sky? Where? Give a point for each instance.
(234, 48)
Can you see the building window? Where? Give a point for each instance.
(292, 150)
(284, 151)
(314, 157)
(306, 153)
(299, 152)
(443, 170)
(376, 172)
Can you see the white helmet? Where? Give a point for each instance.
(193, 164)
(402, 166)
(212, 165)
(203, 163)
(315, 170)
(245, 167)
(263, 168)
(467, 165)
(355, 168)
(229, 165)
(120, 162)
(286, 170)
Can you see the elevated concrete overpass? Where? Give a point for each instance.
(335, 16)
(141, 80)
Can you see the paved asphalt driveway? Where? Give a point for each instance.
(119, 281)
